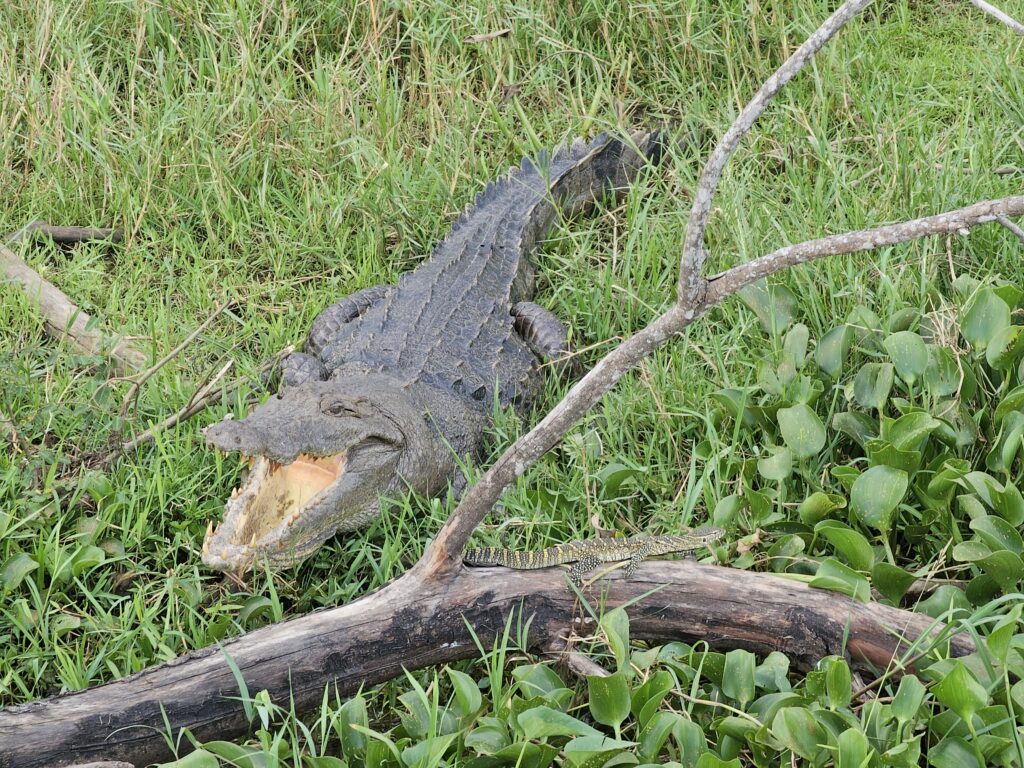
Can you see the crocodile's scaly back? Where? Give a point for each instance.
(447, 322)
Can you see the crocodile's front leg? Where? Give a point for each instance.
(546, 335)
(330, 320)
(300, 367)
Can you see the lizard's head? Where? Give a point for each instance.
(319, 456)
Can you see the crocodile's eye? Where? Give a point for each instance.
(337, 408)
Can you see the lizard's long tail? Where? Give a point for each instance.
(508, 558)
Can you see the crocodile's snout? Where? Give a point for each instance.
(231, 435)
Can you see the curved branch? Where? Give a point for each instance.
(411, 624)
(691, 285)
(959, 221)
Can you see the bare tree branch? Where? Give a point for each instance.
(1017, 231)
(958, 221)
(691, 283)
(1008, 20)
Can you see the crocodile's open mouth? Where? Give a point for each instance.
(275, 495)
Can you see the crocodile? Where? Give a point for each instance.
(586, 554)
(396, 385)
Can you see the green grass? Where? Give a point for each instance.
(283, 155)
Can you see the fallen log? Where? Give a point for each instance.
(62, 319)
(421, 620)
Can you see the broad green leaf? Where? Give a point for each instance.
(523, 754)
(943, 375)
(908, 431)
(488, 739)
(727, 509)
(648, 697)
(1008, 444)
(852, 749)
(537, 680)
(892, 581)
(86, 558)
(848, 542)
(582, 751)
(200, 758)
(15, 569)
(794, 345)
(609, 698)
(998, 533)
(542, 721)
(953, 752)
(819, 506)
(999, 639)
(1010, 402)
(613, 476)
(908, 353)
(738, 678)
(876, 494)
(774, 305)
(831, 351)
(254, 608)
(836, 577)
(734, 402)
(797, 729)
(882, 452)
(872, 385)
(985, 316)
(802, 430)
(709, 760)
(467, 692)
(858, 426)
(778, 465)
(351, 717)
(908, 699)
(1005, 567)
(943, 600)
(838, 683)
(655, 734)
(959, 691)
(772, 673)
(1005, 348)
(615, 626)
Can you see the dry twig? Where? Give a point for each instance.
(133, 391)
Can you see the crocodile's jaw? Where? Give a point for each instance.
(261, 513)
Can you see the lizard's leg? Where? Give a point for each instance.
(638, 557)
(581, 568)
(545, 334)
(337, 314)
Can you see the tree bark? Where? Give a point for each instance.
(420, 620)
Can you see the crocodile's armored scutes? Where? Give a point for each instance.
(396, 383)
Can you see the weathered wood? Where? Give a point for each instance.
(420, 620)
(61, 317)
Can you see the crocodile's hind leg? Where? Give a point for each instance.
(327, 323)
(546, 335)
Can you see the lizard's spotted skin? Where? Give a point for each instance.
(587, 554)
